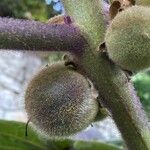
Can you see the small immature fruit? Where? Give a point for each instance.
(59, 101)
(128, 39)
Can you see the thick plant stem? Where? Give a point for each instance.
(118, 93)
(32, 35)
(81, 17)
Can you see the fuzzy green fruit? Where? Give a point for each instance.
(128, 39)
(60, 102)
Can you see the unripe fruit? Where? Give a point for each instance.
(128, 39)
(59, 101)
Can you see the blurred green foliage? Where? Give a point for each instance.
(142, 85)
(30, 9)
(12, 137)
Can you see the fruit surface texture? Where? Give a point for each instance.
(59, 101)
(128, 39)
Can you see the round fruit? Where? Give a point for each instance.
(59, 101)
(128, 39)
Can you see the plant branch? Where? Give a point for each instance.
(91, 25)
(31, 35)
(117, 92)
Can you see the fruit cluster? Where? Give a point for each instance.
(60, 101)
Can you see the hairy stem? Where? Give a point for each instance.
(31, 35)
(82, 17)
(118, 93)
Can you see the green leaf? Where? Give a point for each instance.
(86, 145)
(7, 141)
(17, 129)
(12, 137)
(119, 143)
(61, 144)
(8, 148)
